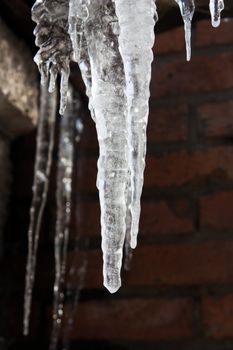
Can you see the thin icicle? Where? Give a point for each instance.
(216, 7)
(64, 200)
(136, 42)
(187, 8)
(78, 15)
(78, 265)
(73, 294)
(109, 104)
(55, 51)
(128, 252)
(45, 141)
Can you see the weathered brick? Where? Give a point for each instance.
(218, 316)
(170, 41)
(206, 35)
(216, 119)
(216, 211)
(161, 265)
(190, 168)
(128, 319)
(181, 168)
(161, 217)
(204, 73)
(167, 124)
(166, 217)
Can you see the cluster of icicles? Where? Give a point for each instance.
(111, 40)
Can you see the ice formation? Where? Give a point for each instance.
(54, 41)
(64, 203)
(187, 8)
(216, 7)
(111, 40)
(45, 142)
(137, 56)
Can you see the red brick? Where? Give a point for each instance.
(166, 217)
(216, 211)
(206, 35)
(203, 73)
(169, 41)
(161, 265)
(162, 217)
(167, 124)
(128, 319)
(218, 316)
(189, 168)
(216, 119)
(172, 169)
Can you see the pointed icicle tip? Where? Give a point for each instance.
(133, 242)
(112, 289)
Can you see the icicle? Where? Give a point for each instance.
(216, 7)
(76, 267)
(136, 42)
(109, 104)
(128, 252)
(74, 295)
(187, 8)
(63, 195)
(78, 15)
(45, 140)
(55, 45)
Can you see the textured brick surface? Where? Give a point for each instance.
(203, 74)
(216, 119)
(218, 316)
(216, 211)
(128, 319)
(166, 217)
(168, 124)
(206, 35)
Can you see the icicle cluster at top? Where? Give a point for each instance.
(112, 42)
(55, 45)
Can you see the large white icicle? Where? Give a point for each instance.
(187, 8)
(136, 39)
(64, 203)
(216, 7)
(55, 45)
(45, 141)
(109, 104)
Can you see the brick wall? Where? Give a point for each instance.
(179, 292)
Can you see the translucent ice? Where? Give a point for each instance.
(216, 7)
(187, 8)
(109, 104)
(136, 39)
(64, 204)
(55, 51)
(45, 141)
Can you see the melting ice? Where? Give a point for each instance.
(114, 52)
